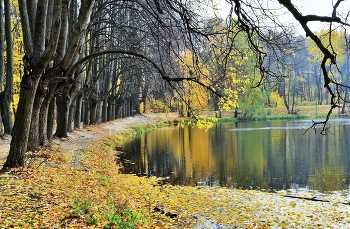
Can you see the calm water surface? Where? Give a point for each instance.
(254, 155)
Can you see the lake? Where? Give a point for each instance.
(270, 155)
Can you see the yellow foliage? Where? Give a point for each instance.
(194, 94)
(231, 92)
(204, 122)
(18, 53)
(229, 101)
(155, 105)
(275, 98)
(336, 38)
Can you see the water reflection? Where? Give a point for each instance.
(259, 155)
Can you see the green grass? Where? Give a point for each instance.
(222, 120)
(283, 117)
(120, 216)
(276, 116)
(293, 117)
(140, 129)
(103, 179)
(81, 206)
(136, 130)
(110, 143)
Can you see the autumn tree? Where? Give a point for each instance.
(56, 44)
(255, 19)
(282, 64)
(337, 40)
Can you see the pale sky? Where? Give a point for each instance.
(317, 7)
(321, 8)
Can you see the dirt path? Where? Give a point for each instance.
(80, 139)
(4, 147)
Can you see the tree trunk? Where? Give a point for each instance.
(216, 106)
(137, 108)
(126, 110)
(286, 104)
(93, 111)
(144, 105)
(188, 108)
(2, 59)
(99, 112)
(44, 116)
(51, 118)
(113, 110)
(181, 110)
(5, 98)
(131, 107)
(343, 109)
(282, 92)
(293, 103)
(86, 112)
(33, 140)
(6, 95)
(1, 131)
(19, 142)
(319, 86)
(62, 103)
(104, 110)
(72, 109)
(109, 109)
(78, 109)
(118, 111)
(122, 111)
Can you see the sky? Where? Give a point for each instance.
(317, 7)
(321, 8)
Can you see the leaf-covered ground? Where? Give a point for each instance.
(54, 191)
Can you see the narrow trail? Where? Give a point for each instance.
(82, 138)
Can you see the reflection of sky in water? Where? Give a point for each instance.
(298, 125)
(281, 157)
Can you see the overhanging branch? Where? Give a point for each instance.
(142, 57)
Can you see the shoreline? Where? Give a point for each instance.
(52, 193)
(86, 136)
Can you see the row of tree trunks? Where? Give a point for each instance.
(6, 94)
(44, 26)
(69, 115)
(86, 61)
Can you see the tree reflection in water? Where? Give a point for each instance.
(247, 155)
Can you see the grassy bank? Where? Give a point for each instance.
(303, 112)
(138, 129)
